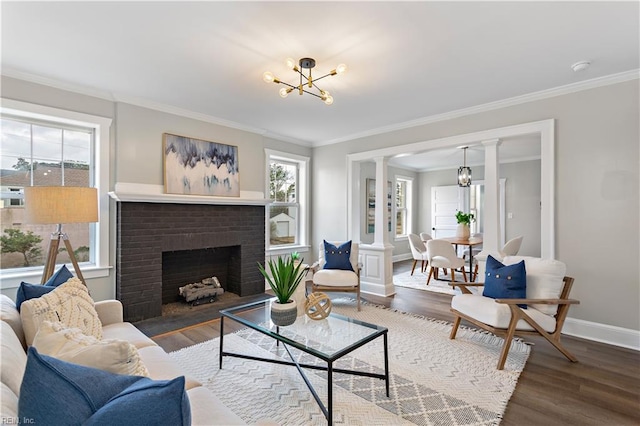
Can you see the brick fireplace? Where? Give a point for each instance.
(233, 235)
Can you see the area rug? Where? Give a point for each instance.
(433, 380)
(419, 281)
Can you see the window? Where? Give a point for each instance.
(287, 210)
(403, 206)
(44, 146)
(38, 153)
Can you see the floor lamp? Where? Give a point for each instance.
(58, 205)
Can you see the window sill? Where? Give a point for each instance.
(33, 275)
(401, 238)
(288, 249)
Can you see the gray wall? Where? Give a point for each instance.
(597, 189)
(522, 199)
(368, 171)
(136, 147)
(597, 183)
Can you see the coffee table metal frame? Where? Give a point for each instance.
(327, 410)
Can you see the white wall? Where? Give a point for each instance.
(597, 189)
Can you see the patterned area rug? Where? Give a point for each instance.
(434, 380)
(419, 281)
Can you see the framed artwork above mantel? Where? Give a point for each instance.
(198, 167)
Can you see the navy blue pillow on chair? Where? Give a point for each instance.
(337, 257)
(59, 392)
(505, 281)
(28, 291)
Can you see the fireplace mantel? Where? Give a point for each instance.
(142, 193)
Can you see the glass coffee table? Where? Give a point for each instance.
(310, 336)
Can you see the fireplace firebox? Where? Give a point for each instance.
(231, 237)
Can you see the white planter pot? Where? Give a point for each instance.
(463, 231)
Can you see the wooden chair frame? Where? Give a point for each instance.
(517, 313)
(339, 289)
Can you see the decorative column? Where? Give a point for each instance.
(491, 236)
(377, 259)
(381, 235)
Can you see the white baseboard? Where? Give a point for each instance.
(609, 334)
(401, 257)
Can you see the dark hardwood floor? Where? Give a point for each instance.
(603, 388)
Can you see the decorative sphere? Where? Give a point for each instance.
(317, 306)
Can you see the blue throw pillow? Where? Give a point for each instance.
(28, 291)
(61, 276)
(338, 257)
(150, 402)
(505, 282)
(59, 392)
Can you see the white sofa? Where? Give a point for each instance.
(206, 408)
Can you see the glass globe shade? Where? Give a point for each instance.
(268, 77)
(341, 69)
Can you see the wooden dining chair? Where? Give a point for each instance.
(418, 251)
(441, 254)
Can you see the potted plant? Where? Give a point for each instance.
(464, 220)
(283, 277)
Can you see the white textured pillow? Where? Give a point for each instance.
(544, 279)
(69, 303)
(69, 344)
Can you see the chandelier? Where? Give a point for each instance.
(305, 80)
(464, 172)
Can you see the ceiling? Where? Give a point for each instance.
(407, 61)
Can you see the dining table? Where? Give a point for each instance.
(471, 242)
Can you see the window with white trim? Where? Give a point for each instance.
(287, 191)
(43, 146)
(403, 206)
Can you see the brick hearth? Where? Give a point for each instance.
(147, 230)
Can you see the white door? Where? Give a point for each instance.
(445, 202)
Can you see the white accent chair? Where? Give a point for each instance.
(441, 254)
(425, 237)
(547, 306)
(419, 252)
(512, 247)
(337, 280)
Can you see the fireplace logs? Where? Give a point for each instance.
(205, 291)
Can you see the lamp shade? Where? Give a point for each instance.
(60, 204)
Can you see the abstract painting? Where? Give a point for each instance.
(198, 167)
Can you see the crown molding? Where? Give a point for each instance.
(289, 139)
(517, 100)
(57, 84)
(508, 161)
(535, 96)
(144, 103)
(170, 109)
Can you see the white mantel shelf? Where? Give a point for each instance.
(141, 193)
